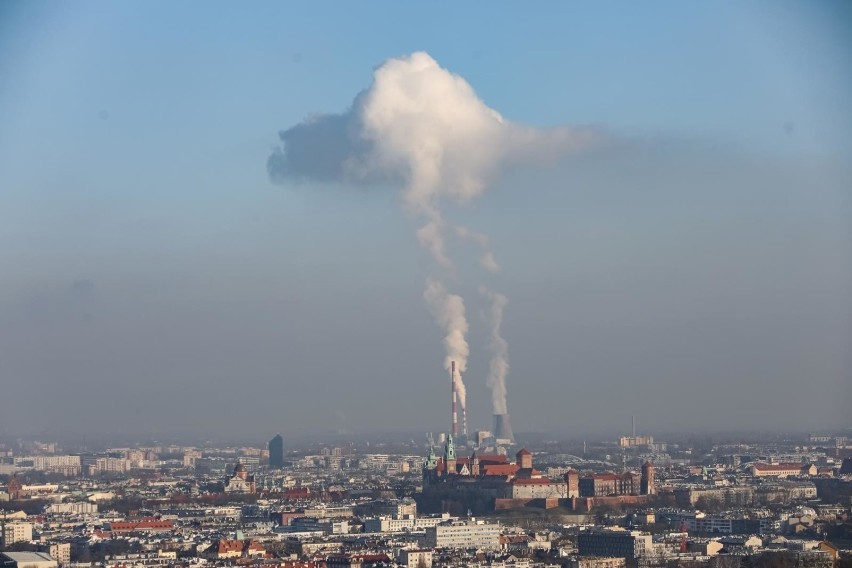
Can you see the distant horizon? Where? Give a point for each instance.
(330, 438)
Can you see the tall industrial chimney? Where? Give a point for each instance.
(455, 395)
(502, 428)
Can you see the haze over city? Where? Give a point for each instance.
(223, 220)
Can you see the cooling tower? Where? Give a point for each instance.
(502, 428)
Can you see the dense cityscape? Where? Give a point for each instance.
(245, 247)
(470, 500)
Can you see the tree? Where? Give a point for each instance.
(725, 561)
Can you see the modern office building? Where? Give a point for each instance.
(276, 452)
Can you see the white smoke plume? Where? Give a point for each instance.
(448, 311)
(424, 129)
(498, 367)
(431, 238)
(486, 259)
(424, 126)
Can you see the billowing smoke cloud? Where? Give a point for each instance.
(448, 311)
(498, 367)
(424, 129)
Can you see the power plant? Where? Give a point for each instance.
(454, 385)
(455, 414)
(502, 430)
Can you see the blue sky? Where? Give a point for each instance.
(133, 144)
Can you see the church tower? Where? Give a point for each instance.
(431, 459)
(450, 456)
(647, 480)
(430, 467)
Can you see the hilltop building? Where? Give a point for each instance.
(495, 476)
(520, 483)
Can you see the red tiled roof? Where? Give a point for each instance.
(145, 525)
(226, 546)
(499, 469)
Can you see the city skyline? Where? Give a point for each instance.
(194, 244)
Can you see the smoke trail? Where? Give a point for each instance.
(431, 238)
(424, 129)
(448, 311)
(486, 259)
(498, 367)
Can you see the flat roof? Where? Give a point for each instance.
(27, 557)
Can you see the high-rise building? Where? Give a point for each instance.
(276, 452)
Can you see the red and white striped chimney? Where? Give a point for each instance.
(455, 396)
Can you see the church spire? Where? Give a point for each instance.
(450, 449)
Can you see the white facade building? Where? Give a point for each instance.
(77, 508)
(464, 534)
(415, 558)
(18, 532)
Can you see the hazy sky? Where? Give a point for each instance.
(693, 267)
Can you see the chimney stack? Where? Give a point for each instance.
(455, 396)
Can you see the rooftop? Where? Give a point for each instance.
(27, 557)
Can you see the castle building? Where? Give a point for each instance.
(494, 475)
